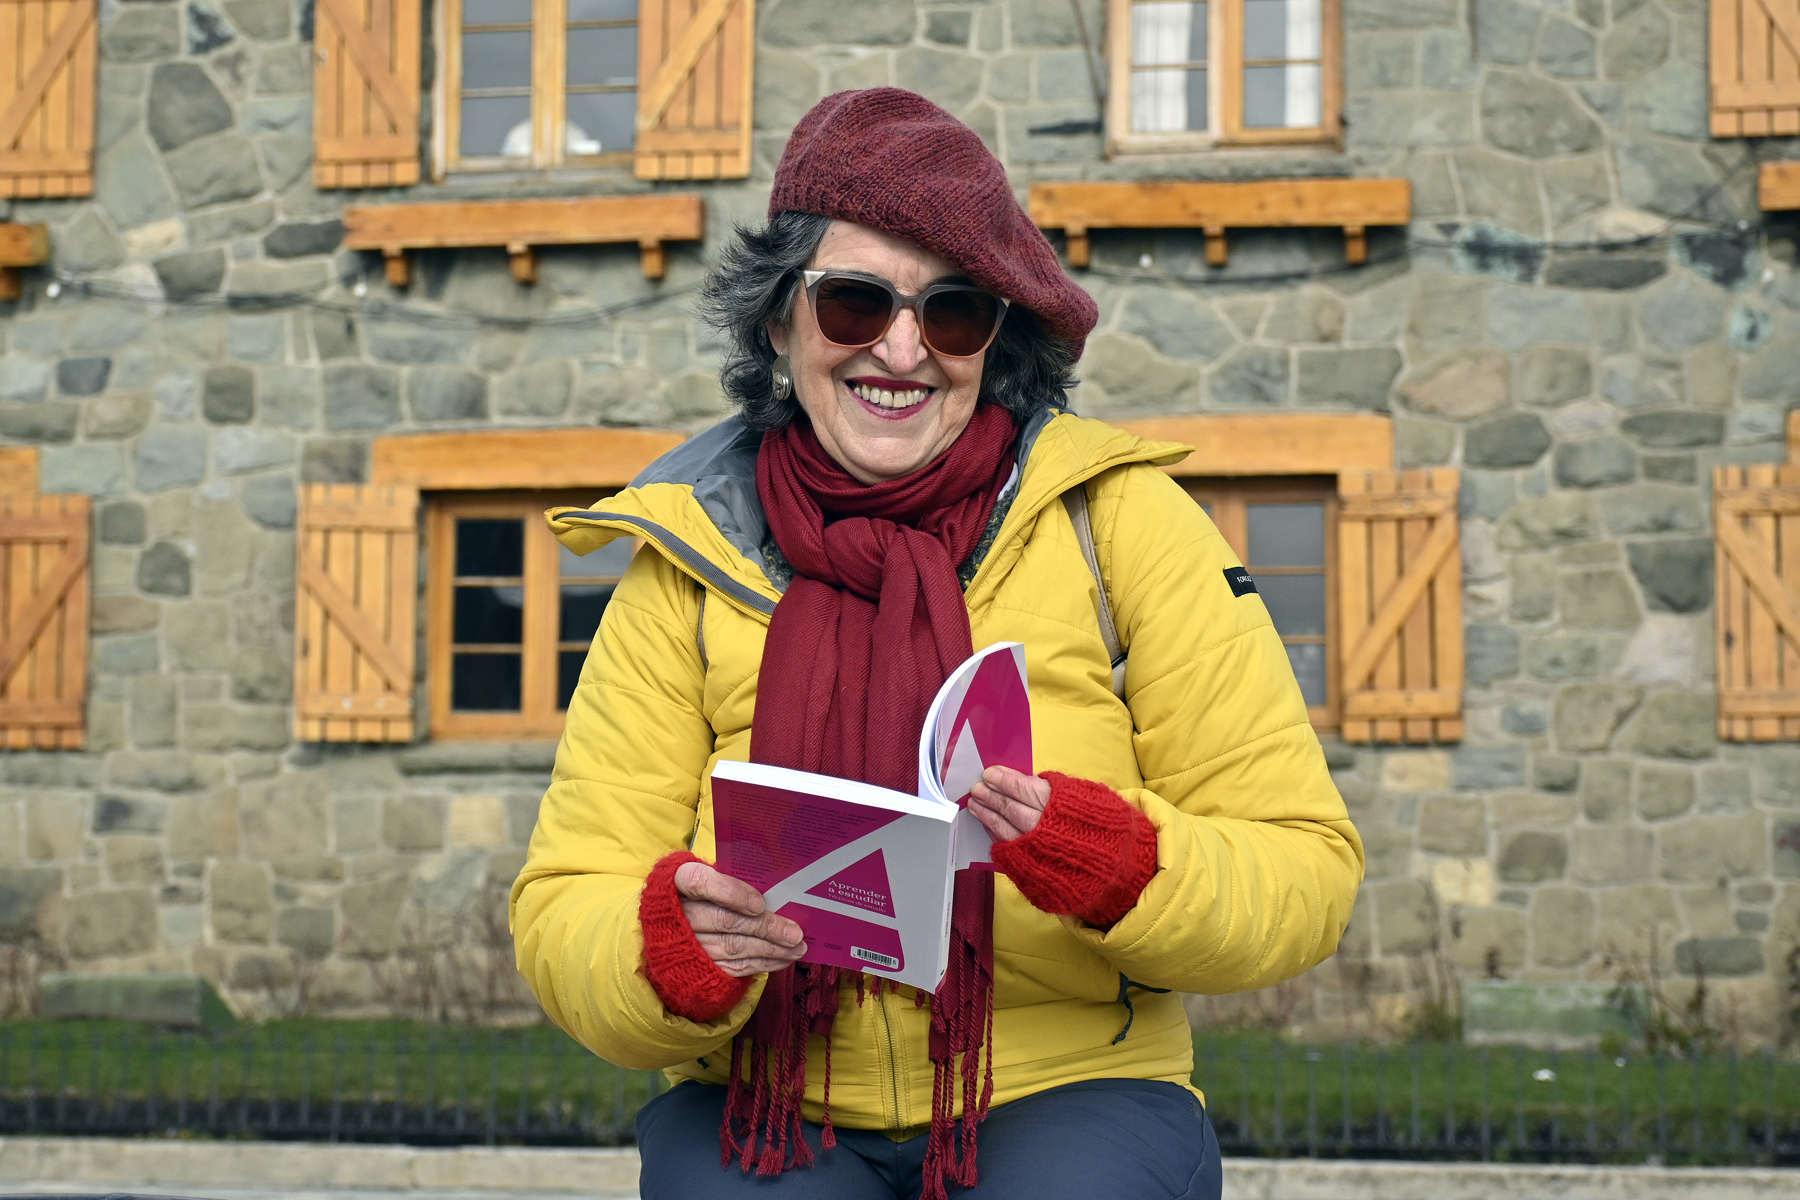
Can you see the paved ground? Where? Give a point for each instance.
(289, 1171)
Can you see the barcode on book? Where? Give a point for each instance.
(880, 960)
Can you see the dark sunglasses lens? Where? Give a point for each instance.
(851, 313)
(960, 323)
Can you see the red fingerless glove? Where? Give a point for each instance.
(1090, 856)
(689, 983)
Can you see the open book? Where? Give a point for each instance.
(867, 872)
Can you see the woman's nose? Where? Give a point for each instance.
(901, 348)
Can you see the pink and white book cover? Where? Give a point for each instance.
(867, 872)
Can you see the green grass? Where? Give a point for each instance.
(1447, 1100)
(395, 1080)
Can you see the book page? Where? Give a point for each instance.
(980, 718)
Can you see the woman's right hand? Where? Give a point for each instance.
(733, 924)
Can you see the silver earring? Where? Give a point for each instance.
(781, 377)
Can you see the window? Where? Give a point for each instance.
(539, 83)
(1221, 72)
(512, 613)
(1284, 530)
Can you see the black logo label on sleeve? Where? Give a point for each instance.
(1239, 581)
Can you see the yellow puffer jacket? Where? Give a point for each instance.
(1257, 860)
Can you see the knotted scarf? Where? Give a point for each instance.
(870, 627)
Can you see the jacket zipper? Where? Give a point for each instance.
(890, 1066)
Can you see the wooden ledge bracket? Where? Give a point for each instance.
(1778, 186)
(20, 246)
(1352, 204)
(520, 226)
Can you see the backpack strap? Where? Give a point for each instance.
(1076, 501)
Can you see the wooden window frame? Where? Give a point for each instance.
(1224, 103)
(1227, 498)
(538, 718)
(549, 29)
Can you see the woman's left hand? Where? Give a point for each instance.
(1008, 804)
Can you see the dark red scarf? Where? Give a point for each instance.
(870, 627)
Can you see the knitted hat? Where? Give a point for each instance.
(892, 160)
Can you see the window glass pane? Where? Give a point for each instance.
(491, 547)
(568, 674)
(496, 60)
(1282, 97)
(606, 122)
(1309, 669)
(1286, 535)
(1296, 603)
(496, 12)
(489, 616)
(581, 609)
(609, 561)
(1168, 101)
(1168, 33)
(602, 10)
(603, 56)
(485, 682)
(488, 125)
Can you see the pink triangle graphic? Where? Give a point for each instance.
(862, 884)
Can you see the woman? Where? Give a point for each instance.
(889, 498)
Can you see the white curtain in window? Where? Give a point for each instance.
(1304, 41)
(1160, 33)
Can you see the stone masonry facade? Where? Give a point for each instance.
(1585, 395)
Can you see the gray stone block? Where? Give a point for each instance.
(1664, 792)
(121, 523)
(1636, 43)
(1676, 574)
(164, 570)
(214, 170)
(1547, 1015)
(229, 395)
(334, 460)
(540, 390)
(1353, 378)
(1588, 714)
(1566, 49)
(141, 33)
(1553, 773)
(1683, 313)
(1719, 957)
(169, 456)
(819, 22)
(1490, 653)
(110, 924)
(1527, 718)
(271, 500)
(949, 79)
(1505, 30)
(1126, 375)
(1597, 462)
(127, 814)
(310, 932)
(948, 28)
(53, 421)
(446, 394)
(207, 28)
(1535, 117)
(84, 376)
(191, 273)
(361, 397)
(1674, 725)
(27, 896)
(264, 20)
(1533, 857)
(1467, 384)
(1650, 508)
(301, 238)
(284, 70)
(1616, 272)
(1254, 377)
(1485, 768)
(1725, 258)
(1600, 599)
(23, 378)
(184, 105)
(1513, 440)
(1177, 323)
(86, 244)
(1675, 429)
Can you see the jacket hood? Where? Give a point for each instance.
(698, 503)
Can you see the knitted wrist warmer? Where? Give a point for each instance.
(688, 982)
(1090, 856)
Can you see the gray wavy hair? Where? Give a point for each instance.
(1027, 369)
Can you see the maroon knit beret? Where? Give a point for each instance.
(892, 160)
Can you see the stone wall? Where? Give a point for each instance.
(1585, 395)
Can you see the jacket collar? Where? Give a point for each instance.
(698, 502)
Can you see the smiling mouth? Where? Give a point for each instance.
(894, 400)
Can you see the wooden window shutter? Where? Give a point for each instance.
(356, 624)
(48, 51)
(1756, 527)
(1400, 606)
(695, 61)
(43, 621)
(1755, 47)
(365, 93)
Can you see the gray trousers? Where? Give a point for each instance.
(1102, 1137)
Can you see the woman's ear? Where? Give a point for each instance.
(778, 336)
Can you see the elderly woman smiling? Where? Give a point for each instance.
(903, 483)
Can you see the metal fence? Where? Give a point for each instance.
(443, 1086)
